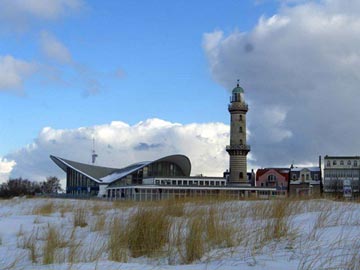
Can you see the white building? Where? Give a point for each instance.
(337, 169)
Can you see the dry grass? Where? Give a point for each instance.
(148, 231)
(53, 240)
(118, 241)
(45, 209)
(174, 208)
(99, 223)
(218, 232)
(80, 217)
(194, 241)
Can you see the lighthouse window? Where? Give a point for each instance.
(241, 142)
(240, 130)
(240, 117)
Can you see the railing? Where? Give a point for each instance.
(238, 147)
(238, 106)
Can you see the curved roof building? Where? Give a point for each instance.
(93, 180)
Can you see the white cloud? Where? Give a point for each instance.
(304, 61)
(119, 144)
(13, 72)
(19, 13)
(6, 166)
(54, 49)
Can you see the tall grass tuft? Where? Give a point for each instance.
(53, 241)
(118, 240)
(80, 217)
(218, 233)
(174, 208)
(45, 209)
(194, 241)
(148, 231)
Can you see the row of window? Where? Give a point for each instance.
(342, 163)
(304, 177)
(189, 183)
(342, 173)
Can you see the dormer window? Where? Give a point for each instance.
(334, 162)
(328, 163)
(349, 162)
(341, 162)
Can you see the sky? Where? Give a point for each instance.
(152, 78)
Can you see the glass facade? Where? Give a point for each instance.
(156, 169)
(77, 183)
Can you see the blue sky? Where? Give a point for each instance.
(153, 78)
(156, 45)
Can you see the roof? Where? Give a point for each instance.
(108, 175)
(341, 157)
(238, 89)
(283, 171)
(312, 169)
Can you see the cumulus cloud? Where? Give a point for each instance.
(6, 166)
(54, 49)
(19, 13)
(13, 73)
(300, 70)
(119, 144)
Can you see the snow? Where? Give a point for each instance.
(324, 234)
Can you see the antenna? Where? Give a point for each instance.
(93, 154)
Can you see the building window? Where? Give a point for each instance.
(271, 178)
(355, 163)
(334, 162)
(307, 177)
(294, 176)
(241, 142)
(349, 162)
(328, 163)
(241, 176)
(240, 130)
(316, 176)
(240, 117)
(341, 162)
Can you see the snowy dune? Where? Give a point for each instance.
(76, 234)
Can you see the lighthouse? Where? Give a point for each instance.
(238, 149)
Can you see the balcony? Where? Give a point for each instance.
(245, 147)
(237, 106)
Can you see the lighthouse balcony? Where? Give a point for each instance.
(238, 147)
(238, 106)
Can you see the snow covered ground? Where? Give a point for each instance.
(307, 234)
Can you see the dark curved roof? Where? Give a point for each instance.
(108, 175)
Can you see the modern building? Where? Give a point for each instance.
(339, 170)
(169, 177)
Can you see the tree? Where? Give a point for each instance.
(51, 185)
(18, 187)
